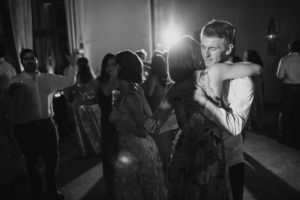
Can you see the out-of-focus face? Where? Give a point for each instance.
(213, 50)
(245, 56)
(111, 68)
(30, 63)
(147, 71)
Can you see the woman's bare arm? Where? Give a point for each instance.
(225, 71)
(163, 112)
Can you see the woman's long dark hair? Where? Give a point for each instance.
(85, 72)
(160, 69)
(253, 56)
(184, 59)
(104, 76)
(131, 67)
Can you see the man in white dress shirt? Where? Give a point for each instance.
(289, 71)
(32, 115)
(217, 43)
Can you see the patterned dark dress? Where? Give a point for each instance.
(87, 117)
(138, 170)
(197, 168)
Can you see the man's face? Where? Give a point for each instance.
(213, 50)
(30, 63)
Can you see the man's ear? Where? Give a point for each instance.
(229, 49)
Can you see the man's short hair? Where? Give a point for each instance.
(294, 46)
(25, 51)
(220, 29)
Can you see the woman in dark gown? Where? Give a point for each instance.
(197, 169)
(108, 81)
(257, 108)
(86, 110)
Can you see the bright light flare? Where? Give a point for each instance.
(124, 160)
(170, 36)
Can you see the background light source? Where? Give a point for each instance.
(271, 37)
(271, 30)
(169, 37)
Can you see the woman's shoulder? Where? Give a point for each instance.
(135, 93)
(132, 99)
(92, 84)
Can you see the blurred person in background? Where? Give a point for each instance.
(14, 179)
(257, 108)
(5, 67)
(142, 54)
(86, 110)
(156, 87)
(289, 71)
(108, 82)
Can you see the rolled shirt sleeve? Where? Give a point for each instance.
(239, 100)
(58, 82)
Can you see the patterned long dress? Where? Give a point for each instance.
(197, 169)
(87, 116)
(138, 170)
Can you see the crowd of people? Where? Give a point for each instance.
(169, 129)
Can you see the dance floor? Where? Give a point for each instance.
(272, 169)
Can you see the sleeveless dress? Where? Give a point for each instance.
(138, 170)
(87, 116)
(197, 168)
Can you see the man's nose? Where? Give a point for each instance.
(206, 54)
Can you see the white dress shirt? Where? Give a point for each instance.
(237, 95)
(33, 101)
(7, 69)
(289, 68)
